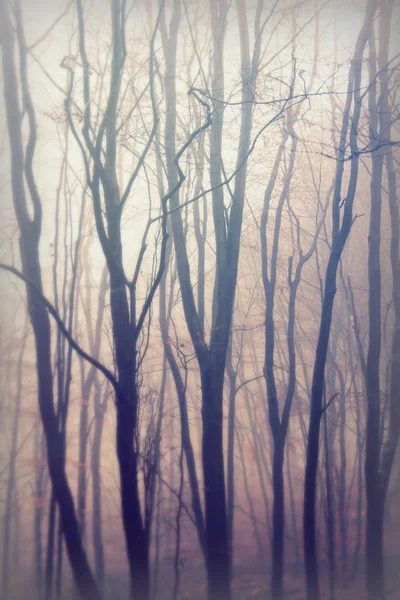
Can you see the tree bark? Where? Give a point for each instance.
(330, 510)
(374, 519)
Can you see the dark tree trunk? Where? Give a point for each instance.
(342, 504)
(59, 565)
(82, 466)
(218, 563)
(97, 536)
(177, 570)
(330, 509)
(50, 552)
(374, 540)
(16, 546)
(309, 518)
(278, 519)
(40, 451)
(135, 535)
(230, 462)
(293, 509)
(352, 316)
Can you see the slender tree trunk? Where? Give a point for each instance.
(374, 519)
(97, 536)
(261, 461)
(50, 553)
(9, 518)
(177, 571)
(230, 476)
(249, 497)
(165, 316)
(157, 543)
(352, 315)
(330, 509)
(342, 478)
(82, 467)
(59, 566)
(309, 517)
(89, 382)
(373, 446)
(16, 547)
(292, 508)
(40, 451)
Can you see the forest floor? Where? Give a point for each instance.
(248, 584)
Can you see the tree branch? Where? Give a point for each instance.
(329, 403)
(106, 372)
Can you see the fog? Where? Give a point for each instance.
(200, 300)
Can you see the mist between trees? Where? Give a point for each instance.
(200, 300)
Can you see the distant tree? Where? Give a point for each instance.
(11, 473)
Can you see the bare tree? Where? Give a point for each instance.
(212, 358)
(342, 218)
(99, 151)
(30, 230)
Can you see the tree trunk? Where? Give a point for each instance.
(82, 466)
(218, 561)
(278, 519)
(165, 316)
(330, 509)
(230, 462)
(293, 509)
(50, 553)
(135, 536)
(39, 508)
(97, 537)
(59, 565)
(342, 478)
(251, 505)
(309, 518)
(261, 462)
